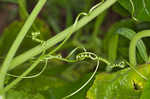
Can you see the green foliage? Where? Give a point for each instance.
(128, 33)
(120, 10)
(49, 85)
(138, 8)
(49, 68)
(125, 84)
(111, 38)
(12, 94)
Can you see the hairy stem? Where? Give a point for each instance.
(18, 41)
(133, 43)
(61, 36)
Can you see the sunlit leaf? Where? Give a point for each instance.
(125, 84)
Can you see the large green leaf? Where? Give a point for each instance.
(125, 84)
(141, 7)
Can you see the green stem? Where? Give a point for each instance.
(24, 15)
(24, 74)
(98, 24)
(18, 41)
(61, 36)
(133, 43)
(22, 9)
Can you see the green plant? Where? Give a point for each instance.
(17, 42)
(46, 50)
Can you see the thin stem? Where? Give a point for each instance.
(98, 24)
(18, 41)
(133, 43)
(85, 84)
(31, 76)
(66, 39)
(24, 74)
(62, 35)
(132, 67)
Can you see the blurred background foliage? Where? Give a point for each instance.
(99, 36)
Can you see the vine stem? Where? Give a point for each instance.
(24, 74)
(18, 41)
(60, 36)
(133, 43)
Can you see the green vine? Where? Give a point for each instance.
(17, 42)
(60, 36)
(10, 62)
(80, 57)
